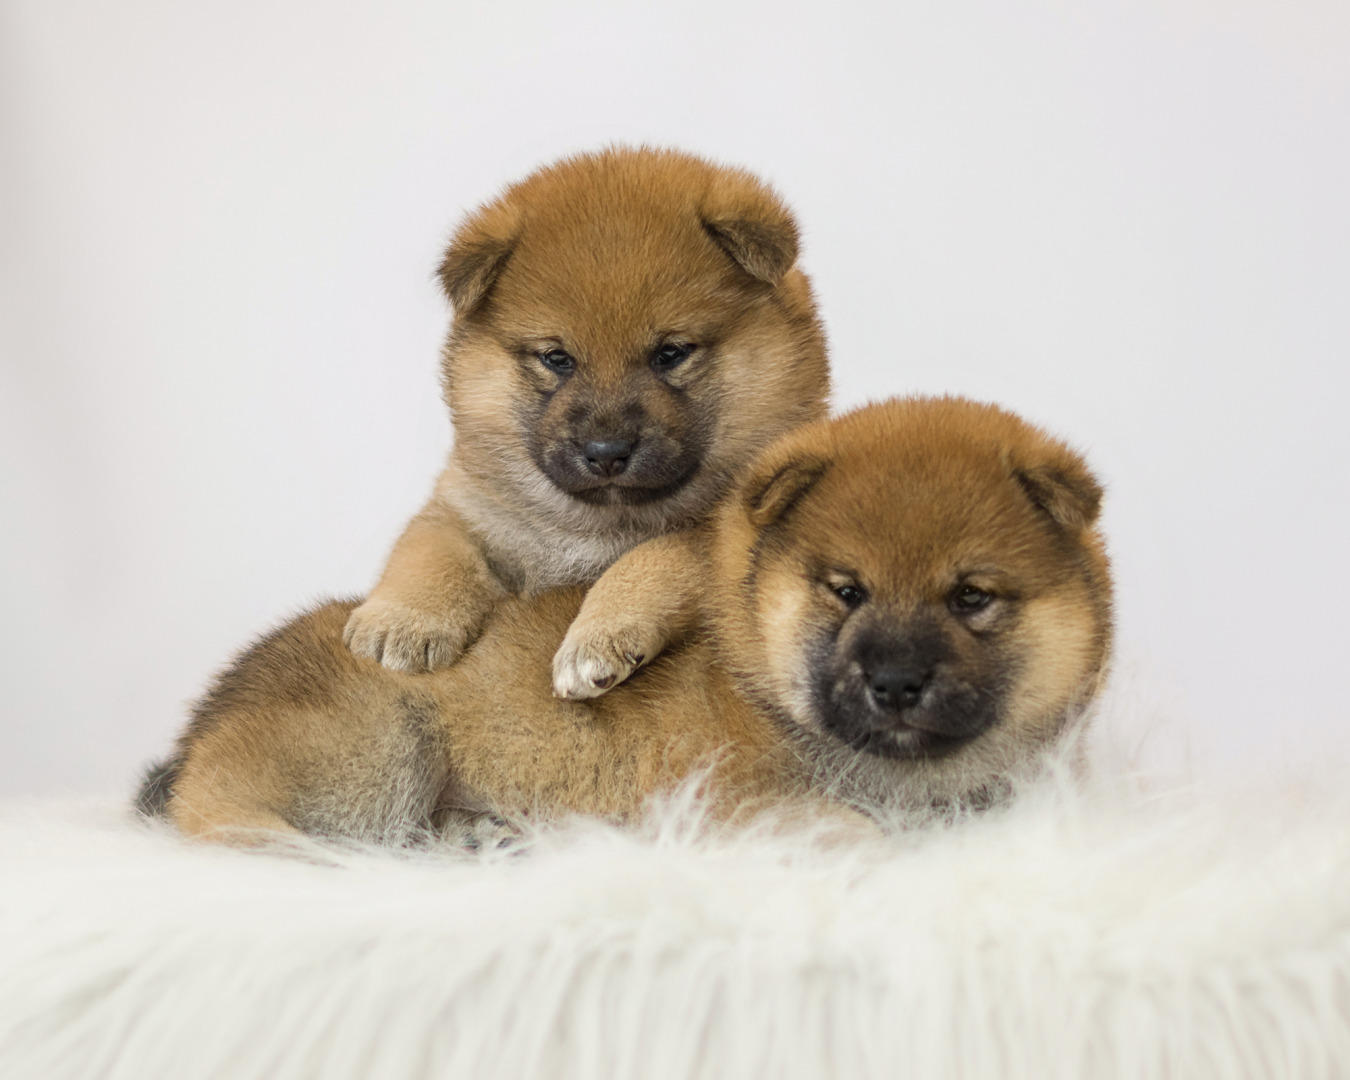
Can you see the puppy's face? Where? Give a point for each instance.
(616, 368)
(628, 332)
(924, 586)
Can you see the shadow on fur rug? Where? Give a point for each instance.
(1118, 932)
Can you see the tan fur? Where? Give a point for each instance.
(906, 500)
(302, 731)
(606, 257)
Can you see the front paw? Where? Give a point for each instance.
(406, 638)
(592, 661)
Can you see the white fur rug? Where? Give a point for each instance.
(1119, 933)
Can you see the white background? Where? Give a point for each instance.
(219, 333)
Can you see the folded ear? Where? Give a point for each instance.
(1063, 488)
(770, 494)
(751, 224)
(477, 255)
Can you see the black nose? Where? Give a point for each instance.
(896, 687)
(607, 457)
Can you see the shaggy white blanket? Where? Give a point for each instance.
(1120, 932)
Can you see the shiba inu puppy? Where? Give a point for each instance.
(630, 328)
(903, 607)
(916, 573)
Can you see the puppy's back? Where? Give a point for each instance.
(300, 734)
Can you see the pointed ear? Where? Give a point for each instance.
(771, 494)
(751, 224)
(477, 255)
(1064, 489)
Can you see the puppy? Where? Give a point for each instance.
(629, 330)
(921, 581)
(904, 606)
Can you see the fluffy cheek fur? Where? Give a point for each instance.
(796, 636)
(765, 390)
(1060, 650)
(480, 382)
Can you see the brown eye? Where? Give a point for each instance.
(670, 355)
(557, 360)
(967, 600)
(852, 595)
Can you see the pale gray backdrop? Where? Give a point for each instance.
(218, 397)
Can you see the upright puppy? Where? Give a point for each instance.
(630, 329)
(904, 606)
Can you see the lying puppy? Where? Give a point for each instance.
(904, 605)
(630, 329)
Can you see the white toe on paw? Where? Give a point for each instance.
(577, 677)
(587, 666)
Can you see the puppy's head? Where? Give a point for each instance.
(919, 581)
(629, 330)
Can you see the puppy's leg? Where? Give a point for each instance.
(221, 820)
(644, 602)
(431, 601)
